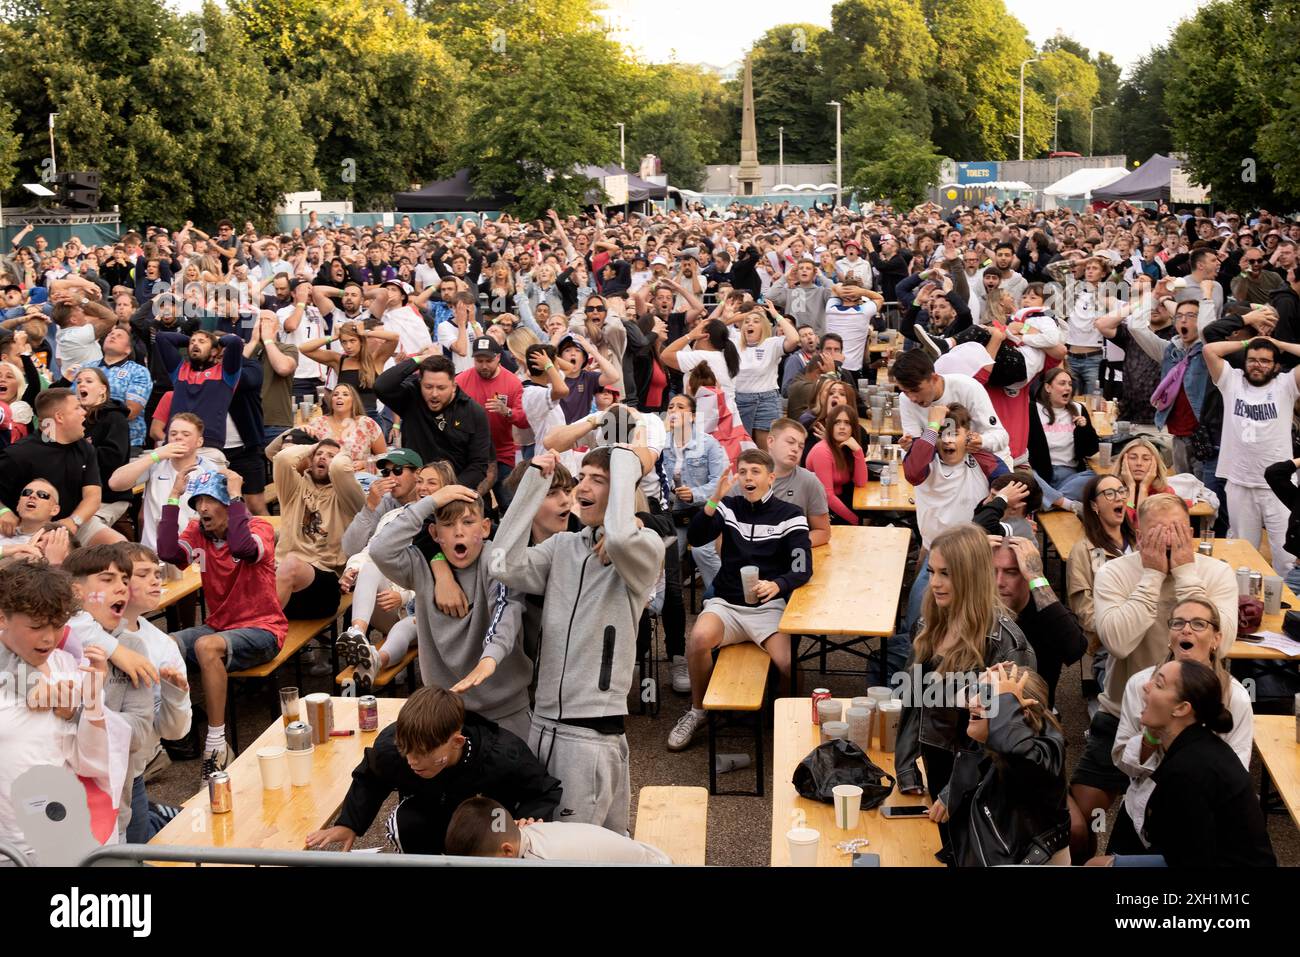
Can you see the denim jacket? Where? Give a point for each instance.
(1195, 381)
(703, 462)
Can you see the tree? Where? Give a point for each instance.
(1220, 96)
(790, 90)
(370, 82)
(904, 170)
(10, 147)
(177, 113)
(1065, 73)
(530, 126)
(680, 123)
(1141, 123)
(879, 44)
(974, 81)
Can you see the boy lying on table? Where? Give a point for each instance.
(436, 755)
(483, 828)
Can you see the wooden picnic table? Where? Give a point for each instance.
(173, 590)
(282, 819)
(1238, 552)
(1064, 530)
(870, 497)
(910, 842)
(1275, 737)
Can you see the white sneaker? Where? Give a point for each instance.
(684, 731)
(367, 666)
(681, 675)
(214, 760)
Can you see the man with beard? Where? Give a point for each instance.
(1004, 254)
(235, 552)
(205, 380)
(319, 497)
(1258, 405)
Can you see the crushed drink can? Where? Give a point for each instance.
(819, 694)
(219, 793)
(368, 713)
(1206, 548)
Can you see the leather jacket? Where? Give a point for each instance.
(1007, 801)
(945, 726)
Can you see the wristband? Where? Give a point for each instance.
(4, 509)
(710, 503)
(1038, 582)
(1150, 739)
(173, 500)
(932, 425)
(549, 367)
(156, 457)
(440, 557)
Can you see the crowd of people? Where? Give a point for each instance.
(513, 442)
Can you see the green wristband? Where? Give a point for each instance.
(440, 557)
(1150, 739)
(1039, 582)
(173, 501)
(710, 503)
(932, 425)
(4, 509)
(156, 457)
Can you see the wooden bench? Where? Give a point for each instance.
(385, 677)
(738, 685)
(297, 638)
(675, 820)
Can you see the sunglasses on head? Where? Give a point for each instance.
(43, 496)
(387, 470)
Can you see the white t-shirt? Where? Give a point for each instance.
(76, 345)
(689, 358)
(948, 496)
(656, 437)
(311, 327)
(858, 272)
(544, 412)
(853, 325)
(158, 488)
(966, 391)
(412, 333)
(1060, 435)
(448, 333)
(574, 841)
(760, 365)
(1256, 425)
(426, 276)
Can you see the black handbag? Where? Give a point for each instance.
(841, 762)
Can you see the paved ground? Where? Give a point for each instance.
(739, 831)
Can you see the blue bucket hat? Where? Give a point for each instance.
(207, 482)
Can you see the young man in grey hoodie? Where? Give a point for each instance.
(596, 583)
(460, 652)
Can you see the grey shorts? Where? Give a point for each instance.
(741, 623)
(593, 769)
(1096, 768)
(89, 529)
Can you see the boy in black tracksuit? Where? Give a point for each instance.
(435, 756)
(757, 530)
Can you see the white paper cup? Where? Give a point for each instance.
(1272, 595)
(274, 766)
(749, 582)
(848, 802)
(803, 842)
(300, 767)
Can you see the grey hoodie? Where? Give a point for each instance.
(135, 704)
(589, 622)
(363, 525)
(450, 648)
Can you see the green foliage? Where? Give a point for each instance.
(680, 123)
(10, 147)
(879, 44)
(902, 170)
(790, 90)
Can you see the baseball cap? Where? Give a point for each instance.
(405, 287)
(566, 342)
(486, 345)
(659, 261)
(208, 483)
(401, 457)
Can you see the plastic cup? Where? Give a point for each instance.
(803, 843)
(859, 721)
(300, 767)
(877, 417)
(1272, 595)
(829, 710)
(289, 705)
(1103, 454)
(274, 766)
(891, 712)
(1122, 427)
(833, 730)
(848, 803)
(749, 581)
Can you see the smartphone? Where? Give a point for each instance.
(905, 810)
(866, 860)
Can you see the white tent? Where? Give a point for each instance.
(1081, 183)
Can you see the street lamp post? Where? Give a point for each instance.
(54, 166)
(780, 153)
(1022, 104)
(839, 171)
(622, 146)
(1092, 117)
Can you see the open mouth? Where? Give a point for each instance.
(749, 487)
(118, 607)
(460, 549)
(1186, 644)
(585, 503)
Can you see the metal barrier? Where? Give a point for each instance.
(15, 855)
(137, 855)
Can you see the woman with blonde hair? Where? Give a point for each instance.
(364, 353)
(1143, 472)
(347, 424)
(758, 395)
(964, 629)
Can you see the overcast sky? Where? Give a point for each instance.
(718, 32)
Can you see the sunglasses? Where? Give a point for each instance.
(386, 471)
(593, 309)
(43, 496)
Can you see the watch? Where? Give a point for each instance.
(77, 521)
(236, 498)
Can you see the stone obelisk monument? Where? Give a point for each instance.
(749, 176)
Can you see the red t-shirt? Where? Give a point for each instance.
(239, 594)
(480, 390)
(1012, 410)
(658, 382)
(164, 410)
(1182, 420)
